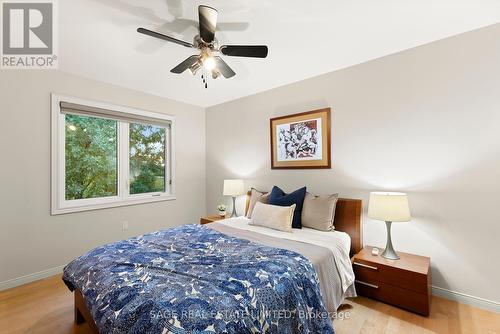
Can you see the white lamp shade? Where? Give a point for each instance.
(389, 206)
(233, 187)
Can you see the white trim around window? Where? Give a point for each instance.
(59, 204)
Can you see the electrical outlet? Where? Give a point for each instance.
(125, 226)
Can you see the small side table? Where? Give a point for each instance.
(405, 283)
(212, 218)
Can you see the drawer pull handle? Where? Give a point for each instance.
(367, 284)
(365, 265)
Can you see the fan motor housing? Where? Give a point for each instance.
(200, 43)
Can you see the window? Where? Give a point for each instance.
(106, 156)
(147, 158)
(90, 157)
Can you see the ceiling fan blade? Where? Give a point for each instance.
(185, 64)
(223, 68)
(164, 37)
(257, 51)
(208, 21)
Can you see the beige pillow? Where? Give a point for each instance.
(273, 216)
(256, 196)
(318, 212)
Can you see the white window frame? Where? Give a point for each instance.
(59, 204)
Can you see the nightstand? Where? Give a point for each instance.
(405, 283)
(211, 219)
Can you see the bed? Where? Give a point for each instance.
(225, 277)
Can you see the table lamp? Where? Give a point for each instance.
(233, 188)
(389, 207)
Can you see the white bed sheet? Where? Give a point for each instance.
(338, 242)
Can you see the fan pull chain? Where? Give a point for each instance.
(204, 78)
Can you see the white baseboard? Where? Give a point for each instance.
(12, 283)
(463, 298)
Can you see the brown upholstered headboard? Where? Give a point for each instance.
(347, 219)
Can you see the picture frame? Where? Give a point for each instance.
(301, 141)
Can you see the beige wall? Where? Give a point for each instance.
(30, 239)
(425, 121)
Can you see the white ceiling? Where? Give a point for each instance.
(98, 39)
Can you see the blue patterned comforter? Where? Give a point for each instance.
(192, 279)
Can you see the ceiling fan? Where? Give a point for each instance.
(207, 44)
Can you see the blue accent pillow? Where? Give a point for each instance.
(279, 197)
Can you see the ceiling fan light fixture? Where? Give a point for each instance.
(209, 63)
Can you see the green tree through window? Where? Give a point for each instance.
(147, 158)
(91, 157)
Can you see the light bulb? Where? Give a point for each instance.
(209, 63)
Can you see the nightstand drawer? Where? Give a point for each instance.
(368, 273)
(410, 300)
(374, 273)
(405, 279)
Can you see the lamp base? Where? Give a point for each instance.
(233, 214)
(389, 252)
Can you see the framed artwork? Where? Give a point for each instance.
(301, 141)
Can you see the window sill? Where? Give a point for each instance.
(112, 204)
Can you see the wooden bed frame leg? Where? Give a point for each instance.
(79, 319)
(82, 313)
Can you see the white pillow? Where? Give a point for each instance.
(273, 216)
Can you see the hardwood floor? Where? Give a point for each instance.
(46, 306)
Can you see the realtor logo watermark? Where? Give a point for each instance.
(28, 34)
